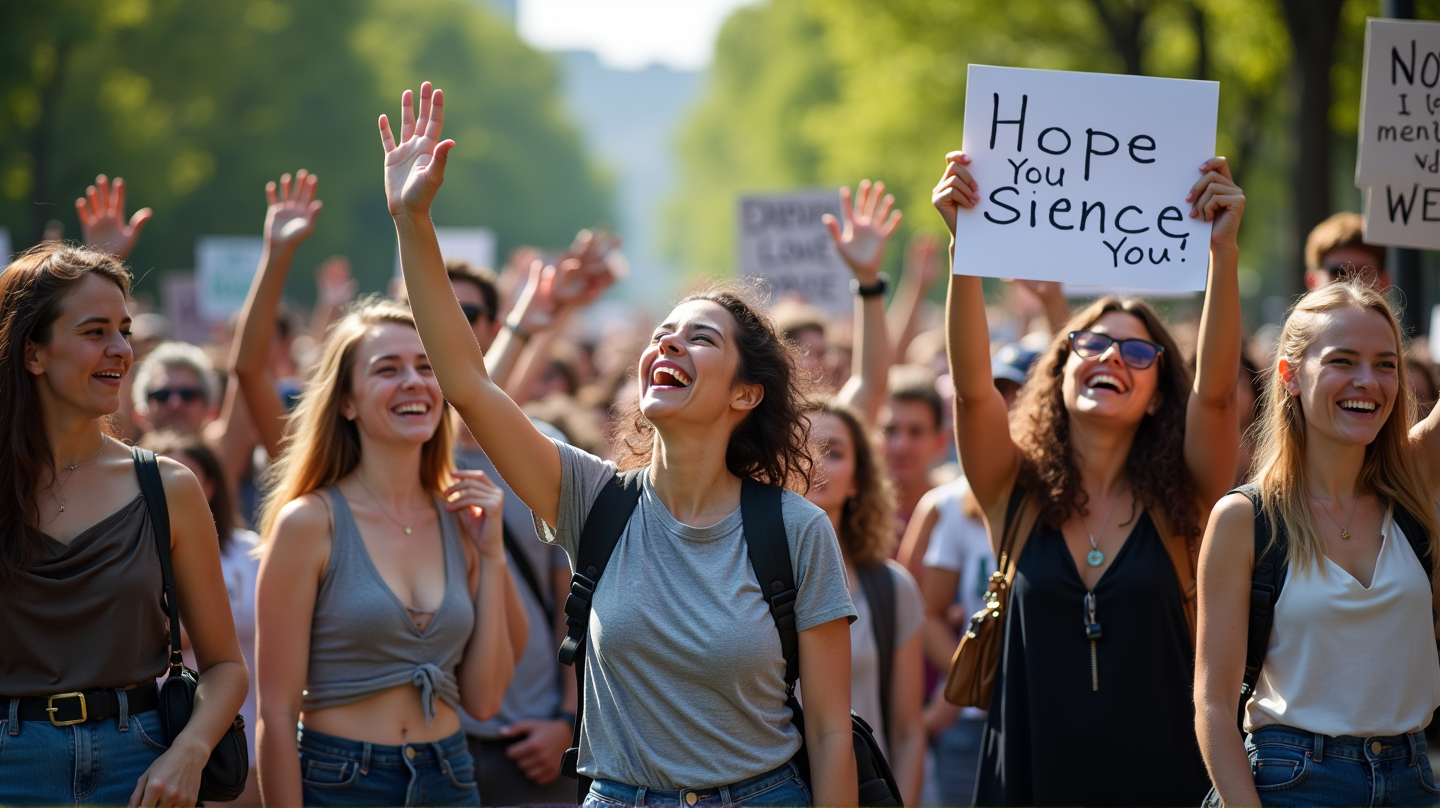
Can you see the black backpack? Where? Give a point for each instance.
(1271, 565)
(764, 530)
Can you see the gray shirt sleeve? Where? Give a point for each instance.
(823, 594)
(582, 477)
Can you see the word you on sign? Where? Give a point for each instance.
(1083, 178)
(784, 244)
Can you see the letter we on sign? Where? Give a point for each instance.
(1083, 178)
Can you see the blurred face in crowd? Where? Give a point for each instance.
(1424, 387)
(913, 441)
(175, 399)
(834, 475)
(688, 372)
(1341, 260)
(206, 484)
(394, 396)
(1105, 386)
(79, 370)
(810, 357)
(471, 301)
(1349, 378)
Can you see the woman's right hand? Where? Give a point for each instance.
(956, 189)
(415, 167)
(290, 215)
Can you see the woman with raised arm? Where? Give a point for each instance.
(1115, 456)
(83, 634)
(681, 693)
(860, 236)
(1341, 519)
(384, 601)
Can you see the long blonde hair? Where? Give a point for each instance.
(1391, 469)
(322, 446)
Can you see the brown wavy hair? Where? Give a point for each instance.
(1156, 467)
(772, 443)
(168, 443)
(32, 290)
(867, 525)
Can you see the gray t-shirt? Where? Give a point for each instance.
(684, 678)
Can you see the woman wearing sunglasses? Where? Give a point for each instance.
(1117, 455)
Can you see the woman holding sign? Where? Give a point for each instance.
(1109, 468)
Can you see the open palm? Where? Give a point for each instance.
(293, 207)
(102, 218)
(861, 241)
(415, 167)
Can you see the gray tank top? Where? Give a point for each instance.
(362, 641)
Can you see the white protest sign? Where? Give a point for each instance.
(1404, 215)
(224, 267)
(784, 243)
(1083, 178)
(473, 244)
(1400, 104)
(179, 293)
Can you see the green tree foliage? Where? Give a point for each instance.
(198, 104)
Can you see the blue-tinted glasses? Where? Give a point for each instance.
(1137, 353)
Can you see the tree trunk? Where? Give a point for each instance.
(42, 207)
(1122, 21)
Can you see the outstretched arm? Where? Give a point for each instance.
(334, 287)
(102, 218)
(1212, 427)
(1426, 437)
(922, 266)
(414, 170)
(289, 220)
(861, 244)
(982, 426)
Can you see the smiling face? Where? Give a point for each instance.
(1104, 386)
(88, 354)
(1349, 378)
(394, 396)
(688, 372)
(834, 474)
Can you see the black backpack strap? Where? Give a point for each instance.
(598, 539)
(1266, 581)
(521, 562)
(765, 542)
(878, 585)
(1419, 538)
(147, 469)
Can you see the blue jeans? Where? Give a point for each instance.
(957, 760)
(1294, 767)
(339, 771)
(95, 763)
(781, 786)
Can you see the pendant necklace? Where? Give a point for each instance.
(69, 470)
(1345, 528)
(407, 528)
(1095, 558)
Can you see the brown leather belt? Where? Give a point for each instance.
(64, 709)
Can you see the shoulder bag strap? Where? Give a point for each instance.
(522, 564)
(1420, 540)
(1021, 514)
(878, 585)
(764, 527)
(147, 469)
(1266, 581)
(1184, 557)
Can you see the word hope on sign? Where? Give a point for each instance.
(1083, 178)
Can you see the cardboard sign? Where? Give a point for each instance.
(1400, 104)
(224, 268)
(1083, 178)
(784, 244)
(179, 293)
(473, 244)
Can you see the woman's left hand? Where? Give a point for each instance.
(1216, 198)
(480, 503)
(173, 780)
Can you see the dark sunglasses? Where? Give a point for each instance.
(162, 396)
(473, 312)
(1137, 353)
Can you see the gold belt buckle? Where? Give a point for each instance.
(52, 709)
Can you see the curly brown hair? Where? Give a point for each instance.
(772, 443)
(867, 525)
(1156, 467)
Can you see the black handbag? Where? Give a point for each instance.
(229, 766)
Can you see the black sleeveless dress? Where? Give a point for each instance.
(1052, 737)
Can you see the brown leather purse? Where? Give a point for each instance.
(977, 659)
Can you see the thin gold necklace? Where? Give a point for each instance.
(1344, 529)
(407, 528)
(69, 470)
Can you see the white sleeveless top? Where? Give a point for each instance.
(1347, 660)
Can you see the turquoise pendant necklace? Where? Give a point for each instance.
(1095, 558)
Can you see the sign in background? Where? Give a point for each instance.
(1083, 178)
(473, 244)
(224, 268)
(784, 244)
(5, 245)
(1398, 157)
(180, 300)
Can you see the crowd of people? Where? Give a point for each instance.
(385, 522)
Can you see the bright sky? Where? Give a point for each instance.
(629, 34)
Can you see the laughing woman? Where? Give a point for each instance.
(1118, 456)
(684, 686)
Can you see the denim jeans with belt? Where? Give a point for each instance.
(339, 771)
(781, 786)
(1294, 767)
(92, 763)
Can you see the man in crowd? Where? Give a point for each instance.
(915, 436)
(1337, 246)
(175, 388)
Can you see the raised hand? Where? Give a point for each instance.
(861, 243)
(1216, 198)
(415, 167)
(334, 286)
(479, 503)
(922, 257)
(956, 189)
(290, 217)
(102, 218)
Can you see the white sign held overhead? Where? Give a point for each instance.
(1083, 178)
(1399, 104)
(784, 244)
(224, 268)
(473, 244)
(1403, 215)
